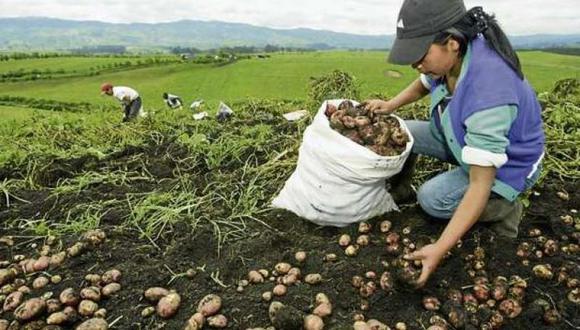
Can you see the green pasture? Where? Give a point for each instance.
(282, 76)
(69, 64)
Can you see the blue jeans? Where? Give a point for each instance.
(440, 196)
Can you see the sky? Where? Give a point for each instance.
(373, 17)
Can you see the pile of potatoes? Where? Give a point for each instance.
(382, 134)
(167, 302)
(23, 276)
(539, 247)
(207, 313)
(70, 307)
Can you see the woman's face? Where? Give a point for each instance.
(439, 59)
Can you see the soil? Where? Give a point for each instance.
(218, 271)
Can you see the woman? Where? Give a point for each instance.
(484, 117)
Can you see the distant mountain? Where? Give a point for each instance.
(39, 33)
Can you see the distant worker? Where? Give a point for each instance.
(173, 101)
(129, 98)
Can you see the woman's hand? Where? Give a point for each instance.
(379, 107)
(430, 257)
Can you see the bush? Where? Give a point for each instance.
(335, 85)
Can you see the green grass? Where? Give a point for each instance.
(16, 114)
(78, 64)
(283, 76)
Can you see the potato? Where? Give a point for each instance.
(289, 279)
(91, 293)
(386, 282)
(264, 272)
(209, 305)
(282, 268)
(323, 310)
(45, 250)
(313, 322)
(7, 289)
(279, 290)
(510, 308)
(274, 308)
(267, 296)
(155, 293)
(321, 298)
(543, 271)
(168, 305)
(361, 325)
(431, 303)
(147, 311)
(364, 227)
(199, 319)
(7, 275)
(94, 237)
(255, 277)
(55, 279)
(330, 257)
(344, 240)
(87, 307)
(351, 250)
(13, 300)
(217, 321)
(110, 289)
(57, 259)
(69, 297)
(313, 279)
(40, 282)
(295, 271)
(53, 305)
(94, 324)
(110, 276)
(76, 249)
(30, 309)
(300, 256)
(385, 226)
(93, 278)
(363, 240)
(191, 325)
(377, 325)
(58, 318)
(27, 265)
(41, 264)
(24, 289)
(101, 312)
(400, 326)
(19, 282)
(357, 281)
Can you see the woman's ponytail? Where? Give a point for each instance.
(477, 21)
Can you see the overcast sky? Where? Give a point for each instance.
(517, 17)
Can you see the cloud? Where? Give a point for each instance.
(517, 17)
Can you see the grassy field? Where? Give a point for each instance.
(79, 64)
(283, 76)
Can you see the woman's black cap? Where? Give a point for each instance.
(418, 23)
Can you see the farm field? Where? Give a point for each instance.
(283, 76)
(184, 204)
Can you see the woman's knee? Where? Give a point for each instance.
(434, 202)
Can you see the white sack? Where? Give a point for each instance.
(338, 181)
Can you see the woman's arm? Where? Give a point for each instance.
(414, 92)
(467, 213)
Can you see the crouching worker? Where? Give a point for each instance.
(172, 101)
(485, 118)
(129, 98)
